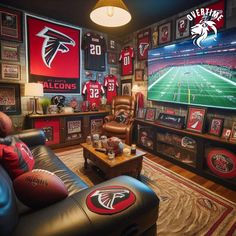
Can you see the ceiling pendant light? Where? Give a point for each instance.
(110, 13)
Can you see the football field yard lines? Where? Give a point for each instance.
(194, 84)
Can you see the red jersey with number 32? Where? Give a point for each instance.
(126, 59)
(93, 89)
(111, 83)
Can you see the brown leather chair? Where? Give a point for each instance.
(119, 129)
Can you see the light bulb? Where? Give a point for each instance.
(110, 11)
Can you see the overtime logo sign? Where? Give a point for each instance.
(53, 55)
(206, 20)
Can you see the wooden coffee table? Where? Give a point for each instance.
(120, 165)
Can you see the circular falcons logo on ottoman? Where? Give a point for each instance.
(110, 199)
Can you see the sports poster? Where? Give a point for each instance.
(164, 33)
(182, 27)
(143, 41)
(96, 126)
(53, 51)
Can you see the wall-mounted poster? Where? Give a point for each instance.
(143, 44)
(165, 33)
(53, 55)
(96, 125)
(182, 27)
(73, 128)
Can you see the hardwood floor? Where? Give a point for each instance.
(214, 187)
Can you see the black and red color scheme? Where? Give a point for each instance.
(222, 163)
(143, 44)
(126, 60)
(110, 200)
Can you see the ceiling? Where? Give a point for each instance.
(76, 12)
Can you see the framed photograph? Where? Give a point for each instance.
(112, 44)
(182, 27)
(10, 52)
(164, 33)
(96, 125)
(154, 37)
(141, 113)
(139, 73)
(233, 133)
(10, 99)
(10, 71)
(146, 137)
(10, 24)
(216, 125)
(226, 133)
(111, 58)
(113, 70)
(150, 114)
(196, 119)
(126, 87)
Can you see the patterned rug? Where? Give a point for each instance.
(186, 208)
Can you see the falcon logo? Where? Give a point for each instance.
(142, 48)
(110, 200)
(54, 42)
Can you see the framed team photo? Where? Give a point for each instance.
(111, 58)
(139, 75)
(196, 119)
(154, 37)
(9, 52)
(182, 27)
(10, 24)
(226, 133)
(141, 113)
(150, 114)
(216, 125)
(126, 87)
(164, 33)
(10, 71)
(233, 133)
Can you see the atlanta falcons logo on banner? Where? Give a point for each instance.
(110, 199)
(142, 48)
(54, 42)
(143, 43)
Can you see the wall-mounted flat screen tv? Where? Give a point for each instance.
(187, 74)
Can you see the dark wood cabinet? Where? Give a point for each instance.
(207, 155)
(64, 129)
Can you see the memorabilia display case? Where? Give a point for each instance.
(64, 129)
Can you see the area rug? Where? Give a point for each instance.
(186, 208)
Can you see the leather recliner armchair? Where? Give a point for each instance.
(118, 129)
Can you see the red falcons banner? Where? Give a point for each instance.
(143, 40)
(53, 55)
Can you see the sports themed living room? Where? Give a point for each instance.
(118, 118)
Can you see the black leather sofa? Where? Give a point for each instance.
(71, 215)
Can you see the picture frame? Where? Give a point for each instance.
(143, 44)
(233, 133)
(182, 27)
(196, 119)
(150, 114)
(10, 24)
(112, 44)
(216, 126)
(112, 58)
(139, 75)
(164, 33)
(155, 37)
(10, 98)
(126, 87)
(141, 113)
(73, 128)
(10, 52)
(226, 133)
(96, 125)
(113, 71)
(11, 71)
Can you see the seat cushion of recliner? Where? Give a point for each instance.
(47, 160)
(115, 127)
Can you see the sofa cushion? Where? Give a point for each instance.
(16, 158)
(39, 188)
(47, 160)
(122, 117)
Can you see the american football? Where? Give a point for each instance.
(39, 188)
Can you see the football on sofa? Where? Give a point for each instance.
(82, 211)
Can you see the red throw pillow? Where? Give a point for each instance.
(122, 117)
(39, 188)
(16, 158)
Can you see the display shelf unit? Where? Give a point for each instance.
(64, 129)
(184, 148)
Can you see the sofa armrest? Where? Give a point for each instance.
(31, 137)
(108, 118)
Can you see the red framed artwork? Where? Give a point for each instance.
(226, 133)
(111, 58)
(233, 133)
(143, 44)
(53, 55)
(216, 125)
(164, 33)
(182, 27)
(196, 119)
(150, 114)
(141, 113)
(10, 24)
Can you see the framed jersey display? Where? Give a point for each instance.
(53, 55)
(94, 46)
(111, 85)
(143, 44)
(182, 27)
(164, 33)
(126, 59)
